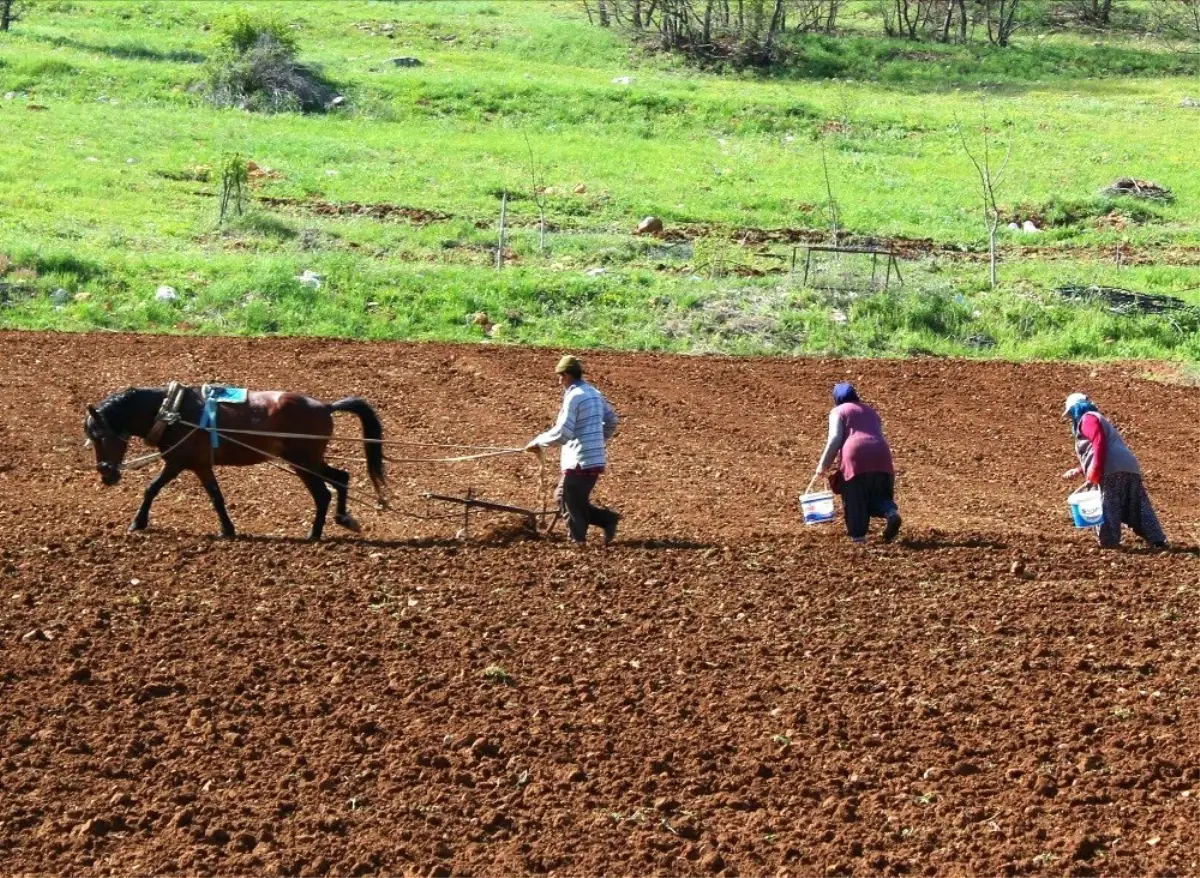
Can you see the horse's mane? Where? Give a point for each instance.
(117, 407)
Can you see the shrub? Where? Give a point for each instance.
(240, 31)
(256, 69)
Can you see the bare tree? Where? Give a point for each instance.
(832, 213)
(1177, 25)
(537, 184)
(988, 180)
(815, 15)
(708, 29)
(954, 9)
(1001, 20)
(11, 11)
(1095, 12)
(907, 18)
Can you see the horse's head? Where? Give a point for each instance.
(109, 442)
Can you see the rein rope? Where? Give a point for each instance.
(287, 466)
(487, 448)
(147, 459)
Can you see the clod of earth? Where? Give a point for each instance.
(1137, 189)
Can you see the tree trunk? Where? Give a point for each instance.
(603, 11)
(637, 14)
(962, 21)
(831, 21)
(6, 15)
(1105, 9)
(1005, 21)
(775, 26)
(992, 226)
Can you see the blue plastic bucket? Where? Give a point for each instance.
(817, 508)
(1087, 508)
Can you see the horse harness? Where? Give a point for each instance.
(168, 412)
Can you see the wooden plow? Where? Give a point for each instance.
(532, 517)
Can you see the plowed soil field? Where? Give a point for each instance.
(722, 692)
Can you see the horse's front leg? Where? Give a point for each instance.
(142, 520)
(209, 480)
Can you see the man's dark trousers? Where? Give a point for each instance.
(575, 504)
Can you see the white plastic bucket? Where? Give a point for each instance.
(817, 508)
(1087, 508)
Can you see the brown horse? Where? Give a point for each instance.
(146, 412)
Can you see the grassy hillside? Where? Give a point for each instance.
(110, 190)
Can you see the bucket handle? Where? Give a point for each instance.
(811, 483)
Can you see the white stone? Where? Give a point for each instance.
(623, 80)
(310, 278)
(166, 294)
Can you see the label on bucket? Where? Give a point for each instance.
(1087, 508)
(817, 508)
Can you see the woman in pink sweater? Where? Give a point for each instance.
(865, 464)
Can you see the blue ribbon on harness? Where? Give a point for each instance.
(214, 394)
(208, 420)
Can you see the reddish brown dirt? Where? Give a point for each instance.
(380, 210)
(723, 692)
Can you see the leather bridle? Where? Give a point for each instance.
(100, 430)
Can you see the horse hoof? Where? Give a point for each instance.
(348, 522)
(136, 526)
(226, 535)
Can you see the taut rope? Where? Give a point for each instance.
(275, 435)
(147, 459)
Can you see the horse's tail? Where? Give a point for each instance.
(372, 430)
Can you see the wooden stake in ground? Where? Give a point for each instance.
(500, 243)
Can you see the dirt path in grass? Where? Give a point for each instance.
(723, 692)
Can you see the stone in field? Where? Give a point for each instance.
(651, 225)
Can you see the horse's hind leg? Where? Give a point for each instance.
(339, 480)
(320, 495)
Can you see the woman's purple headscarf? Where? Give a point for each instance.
(844, 392)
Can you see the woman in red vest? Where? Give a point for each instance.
(865, 472)
(1108, 464)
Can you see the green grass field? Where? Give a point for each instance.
(104, 193)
